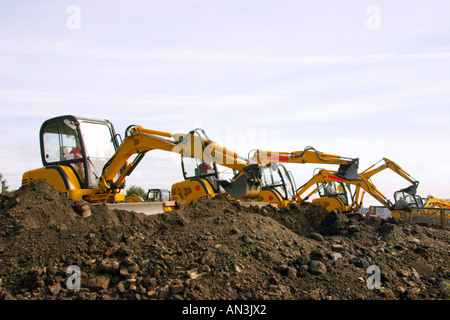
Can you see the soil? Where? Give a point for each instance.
(212, 250)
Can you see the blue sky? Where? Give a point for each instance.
(276, 75)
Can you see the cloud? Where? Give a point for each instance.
(66, 48)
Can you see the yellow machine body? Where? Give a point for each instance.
(190, 191)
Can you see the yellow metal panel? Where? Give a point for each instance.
(189, 191)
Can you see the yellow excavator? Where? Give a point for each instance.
(279, 186)
(154, 195)
(335, 192)
(333, 186)
(85, 159)
(416, 203)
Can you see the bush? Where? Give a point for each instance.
(136, 190)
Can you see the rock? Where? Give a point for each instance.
(237, 268)
(55, 288)
(387, 293)
(302, 260)
(108, 266)
(164, 293)
(316, 268)
(353, 228)
(124, 272)
(403, 273)
(82, 208)
(422, 268)
(176, 288)
(235, 231)
(98, 283)
(316, 236)
(134, 268)
(287, 271)
(292, 273)
(335, 256)
(192, 274)
(401, 290)
(127, 261)
(246, 239)
(208, 258)
(414, 274)
(412, 293)
(110, 251)
(317, 254)
(121, 287)
(337, 247)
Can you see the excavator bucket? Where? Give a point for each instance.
(412, 189)
(247, 184)
(348, 171)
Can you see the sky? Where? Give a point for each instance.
(360, 79)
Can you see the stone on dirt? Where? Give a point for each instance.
(214, 249)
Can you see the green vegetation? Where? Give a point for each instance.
(135, 190)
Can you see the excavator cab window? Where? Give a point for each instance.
(99, 148)
(197, 168)
(336, 189)
(278, 177)
(158, 195)
(411, 200)
(61, 144)
(194, 168)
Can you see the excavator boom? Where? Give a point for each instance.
(279, 189)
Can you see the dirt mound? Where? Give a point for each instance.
(214, 249)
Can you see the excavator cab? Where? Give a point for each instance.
(408, 198)
(83, 144)
(334, 194)
(198, 169)
(74, 151)
(278, 183)
(158, 195)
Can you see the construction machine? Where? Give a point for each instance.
(417, 205)
(407, 202)
(335, 192)
(85, 159)
(160, 196)
(279, 186)
(333, 186)
(151, 195)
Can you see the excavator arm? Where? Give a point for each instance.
(340, 197)
(389, 164)
(348, 166)
(139, 141)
